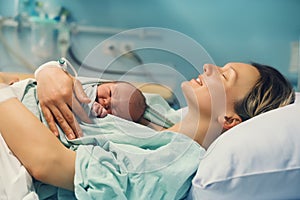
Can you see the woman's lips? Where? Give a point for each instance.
(199, 80)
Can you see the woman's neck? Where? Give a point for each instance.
(192, 126)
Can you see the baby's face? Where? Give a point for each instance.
(117, 99)
(104, 95)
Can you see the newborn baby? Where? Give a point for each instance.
(121, 99)
(118, 98)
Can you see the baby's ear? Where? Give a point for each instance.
(230, 121)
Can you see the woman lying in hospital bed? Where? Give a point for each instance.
(120, 159)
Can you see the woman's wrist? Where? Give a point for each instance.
(53, 64)
(62, 63)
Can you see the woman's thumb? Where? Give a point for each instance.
(79, 92)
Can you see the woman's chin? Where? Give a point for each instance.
(189, 93)
(186, 87)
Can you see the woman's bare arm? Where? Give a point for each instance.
(11, 77)
(35, 146)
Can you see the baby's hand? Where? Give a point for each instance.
(98, 110)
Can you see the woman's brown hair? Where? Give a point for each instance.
(272, 90)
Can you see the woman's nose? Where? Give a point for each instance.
(208, 69)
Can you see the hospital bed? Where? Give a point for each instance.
(258, 159)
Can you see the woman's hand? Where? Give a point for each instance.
(60, 96)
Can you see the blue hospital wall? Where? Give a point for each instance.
(231, 30)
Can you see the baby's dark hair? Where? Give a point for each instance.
(137, 102)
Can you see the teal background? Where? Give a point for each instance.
(231, 30)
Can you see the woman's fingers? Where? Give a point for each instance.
(50, 120)
(79, 92)
(79, 111)
(72, 123)
(61, 95)
(80, 97)
(61, 109)
(66, 120)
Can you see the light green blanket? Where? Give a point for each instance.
(118, 159)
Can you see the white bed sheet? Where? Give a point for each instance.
(15, 181)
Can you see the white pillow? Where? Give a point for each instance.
(258, 159)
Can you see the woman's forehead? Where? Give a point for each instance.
(240, 67)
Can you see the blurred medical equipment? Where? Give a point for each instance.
(64, 63)
(12, 50)
(47, 34)
(129, 55)
(42, 37)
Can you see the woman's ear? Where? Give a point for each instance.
(230, 121)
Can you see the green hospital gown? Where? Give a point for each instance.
(119, 159)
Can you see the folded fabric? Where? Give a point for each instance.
(15, 181)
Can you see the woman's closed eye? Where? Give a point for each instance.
(224, 76)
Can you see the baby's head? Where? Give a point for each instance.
(122, 99)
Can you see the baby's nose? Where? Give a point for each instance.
(107, 103)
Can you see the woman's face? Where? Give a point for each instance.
(8, 78)
(216, 90)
